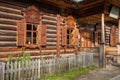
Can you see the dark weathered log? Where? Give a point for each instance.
(10, 5)
(51, 32)
(53, 15)
(49, 36)
(7, 38)
(49, 18)
(51, 44)
(8, 21)
(7, 32)
(7, 44)
(51, 27)
(10, 10)
(50, 23)
(51, 40)
(8, 16)
(7, 27)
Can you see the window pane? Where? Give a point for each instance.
(28, 38)
(34, 27)
(29, 27)
(34, 38)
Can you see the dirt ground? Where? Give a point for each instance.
(102, 74)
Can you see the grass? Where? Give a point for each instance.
(70, 75)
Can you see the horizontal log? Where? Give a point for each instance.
(8, 32)
(7, 38)
(11, 5)
(49, 46)
(7, 44)
(48, 14)
(7, 27)
(10, 10)
(52, 35)
(51, 32)
(51, 40)
(11, 16)
(53, 43)
(52, 28)
(49, 36)
(49, 18)
(50, 23)
(8, 21)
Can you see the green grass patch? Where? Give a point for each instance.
(70, 75)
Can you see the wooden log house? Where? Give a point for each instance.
(44, 27)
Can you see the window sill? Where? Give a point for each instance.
(31, 46)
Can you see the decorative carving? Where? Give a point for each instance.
(113, 36)
(70, 22)
(32, 15)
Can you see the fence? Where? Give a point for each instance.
(36, 68)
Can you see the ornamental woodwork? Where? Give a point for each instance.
(70, 22)
(64, 35)
(75, 34)
(113, 36)
(32, 15)
(21, 33)
(86, 40)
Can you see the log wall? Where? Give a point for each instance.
(9, 15)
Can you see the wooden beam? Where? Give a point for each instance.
(118, 46)
(102, 44)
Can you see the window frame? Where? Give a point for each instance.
(32, 37)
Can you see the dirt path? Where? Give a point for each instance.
(101, 74)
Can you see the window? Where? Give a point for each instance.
(31, 33)
(69, 36)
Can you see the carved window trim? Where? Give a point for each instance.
(31, 16)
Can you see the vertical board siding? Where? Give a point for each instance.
(36, 68)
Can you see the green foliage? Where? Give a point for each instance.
(10, 58)
(70, 75)
(26, 56)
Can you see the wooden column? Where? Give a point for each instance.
(118, 46)
(102, 44)
(58, 35)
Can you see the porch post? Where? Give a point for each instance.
(118, 46)
(102, 44)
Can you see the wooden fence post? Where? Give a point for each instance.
(2, 71)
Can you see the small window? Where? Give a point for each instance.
(69, 36)
(31, 34)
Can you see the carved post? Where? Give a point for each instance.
(102, 44)
(118, 46)
(58, 35)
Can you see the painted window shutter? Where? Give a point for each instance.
(39, 35)
(113, 37)
(21, 33)
(64, 36)
(74, 39)
(43, 35)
